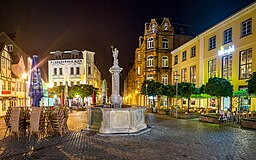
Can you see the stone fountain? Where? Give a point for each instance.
(115, 119)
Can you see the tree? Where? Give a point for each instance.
(219, 87)
(252, 84)
(151, 88)
(83, 90)
(57, 90)
(186, 90)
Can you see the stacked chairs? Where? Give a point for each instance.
(59, 121)
(7, 120)
(15, 121)
(36, 122)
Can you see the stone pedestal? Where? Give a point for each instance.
(115, 99)
(116, 120)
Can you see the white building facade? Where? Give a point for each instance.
(74, 67)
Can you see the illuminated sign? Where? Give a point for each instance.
(223, 51)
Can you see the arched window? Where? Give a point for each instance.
(138, 70)
(165, 61)
(150, 43)
(165, 43)
(165, 79)
(150, 61)
(149, 77)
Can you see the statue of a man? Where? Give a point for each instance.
(115, 55)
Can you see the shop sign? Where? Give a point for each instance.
(223, 51)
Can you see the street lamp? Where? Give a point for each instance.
(24, 77)
(49, 86)
(176, 80)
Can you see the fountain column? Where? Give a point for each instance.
(115, 99)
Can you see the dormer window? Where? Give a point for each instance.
(153, 28)
(10, 48)
(165, 26)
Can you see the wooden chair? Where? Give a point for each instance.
(36, 122)
(15, 121)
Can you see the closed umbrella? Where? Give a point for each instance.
(35, 88)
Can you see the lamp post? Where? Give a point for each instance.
(176, 80)
(146, 95)
(24, 77)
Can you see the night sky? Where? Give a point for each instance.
(50, 25)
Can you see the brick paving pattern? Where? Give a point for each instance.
(169, 138)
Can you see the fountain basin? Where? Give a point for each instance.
(116, 120)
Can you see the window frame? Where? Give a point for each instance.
(150, 61)
(165, 61)
(193, 74)
(245, 22)
(212, 71)
(164, 79)
(165, 43)
(150, 43)
(175, 60)
(193, 52)
(184, 75)
(226, 34)
(212, 43)
(184, 58)
(229, 70)
(246, 64)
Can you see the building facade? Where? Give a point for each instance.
(227, 50)
(14, 64)
(153, 58)
(74, 67)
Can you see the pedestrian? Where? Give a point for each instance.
(229, 115)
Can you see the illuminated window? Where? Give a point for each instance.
(61, 83)
(72, 83)
(150, 43)
(227, 67)
(246, 27)
(184, 55)
(175, 59)
(212, 42)
(245, 63)
(138, 57)
(9, 86)
(184, 75)
(55, 71)
(227, 36)
(150, 61)
(149, 77)
(212, 68)
(193, 52)
(165, 79)
(193, 74)
(165, 43)
(4, 86)
(165, 61)
(138, 70)
(55, 84)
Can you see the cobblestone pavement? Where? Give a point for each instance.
(168, 139)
